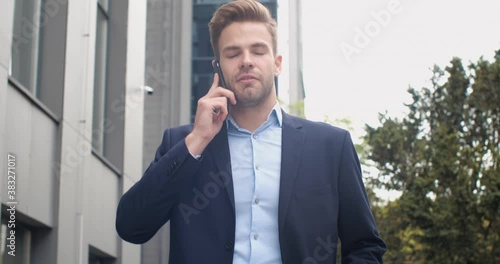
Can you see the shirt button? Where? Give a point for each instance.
(255, 236)
(254, 136)
(257, 200)
(257, 167)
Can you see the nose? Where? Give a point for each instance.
(246, 61)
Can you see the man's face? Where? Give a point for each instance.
(248, 63)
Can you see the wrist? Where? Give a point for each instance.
(195, 144)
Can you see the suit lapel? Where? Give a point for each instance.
(291, 150)
(219, 149)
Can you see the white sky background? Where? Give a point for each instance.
(421, 34)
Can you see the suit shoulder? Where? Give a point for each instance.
(319, 127)
(178, 132)
(180, 129)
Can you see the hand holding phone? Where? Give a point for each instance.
(210, 114)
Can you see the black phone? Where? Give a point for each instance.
(222, 82)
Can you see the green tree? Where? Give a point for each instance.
(444, 157)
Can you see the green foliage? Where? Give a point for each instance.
(296, 108)
(444, 157)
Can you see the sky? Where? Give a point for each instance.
(360, 57)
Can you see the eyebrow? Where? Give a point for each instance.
(259, 45)
(254, 45)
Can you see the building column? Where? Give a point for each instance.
(134, 110)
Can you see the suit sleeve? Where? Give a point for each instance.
(149, 203)
(358, 232)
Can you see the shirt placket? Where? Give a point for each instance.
(255, 232)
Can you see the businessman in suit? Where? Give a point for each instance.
(247, 182)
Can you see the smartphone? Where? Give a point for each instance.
(218, 70)
(222, 82)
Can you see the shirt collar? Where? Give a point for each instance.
(277, 112)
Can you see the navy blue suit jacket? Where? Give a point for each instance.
(322, 198)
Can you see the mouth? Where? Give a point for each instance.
(246, 78)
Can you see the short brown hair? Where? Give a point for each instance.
(240, 11)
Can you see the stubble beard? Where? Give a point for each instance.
(256, 96)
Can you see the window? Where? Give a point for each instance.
(98, 257)
(38, 50)
(109, 100)
(15, 239)
(100, 78)
(26, 43)
(95, 259)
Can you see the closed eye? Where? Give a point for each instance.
(231, 51)
(260, 48)
(232, 55)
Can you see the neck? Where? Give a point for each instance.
(251, 118)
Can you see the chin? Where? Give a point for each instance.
(249, 101)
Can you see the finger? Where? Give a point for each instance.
(219, 106)
(222, 92)
(226, 93)
(223, 111)
(216, 90)
(215, 83)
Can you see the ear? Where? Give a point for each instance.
(277, 65)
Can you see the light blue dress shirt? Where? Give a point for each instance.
(256, 166)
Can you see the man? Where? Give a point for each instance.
(248, 183)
